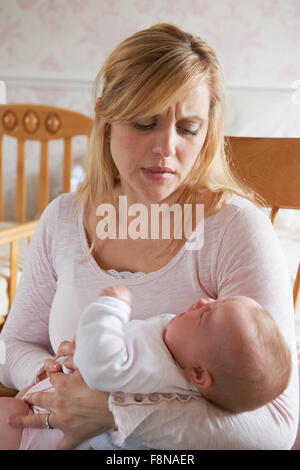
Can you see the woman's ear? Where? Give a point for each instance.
(199, 376)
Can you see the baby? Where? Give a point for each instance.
(229, 350)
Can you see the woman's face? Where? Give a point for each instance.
(155, 155)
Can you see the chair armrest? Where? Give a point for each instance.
(12, 235)
(17, 232)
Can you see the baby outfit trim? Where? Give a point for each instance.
(124, 399)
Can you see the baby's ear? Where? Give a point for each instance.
(198, 304)
(202, 302)
(199, 376)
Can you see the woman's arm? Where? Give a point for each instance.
(25, 332)
(249, 262)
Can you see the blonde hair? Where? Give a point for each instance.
(142, 77)
(253, 372)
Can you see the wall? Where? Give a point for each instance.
(257, 40)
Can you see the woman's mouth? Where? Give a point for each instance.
(158, 173)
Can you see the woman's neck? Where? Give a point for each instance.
(133, 198)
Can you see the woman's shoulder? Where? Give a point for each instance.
(66, 200)
(59, 215)
(236, 222)
(62, 206)
(240, 211)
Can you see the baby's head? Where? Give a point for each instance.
(232, 351)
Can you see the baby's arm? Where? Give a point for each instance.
(101, 353)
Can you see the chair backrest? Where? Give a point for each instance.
(40, 123)
(270, 166)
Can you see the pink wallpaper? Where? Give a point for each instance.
(257, 40)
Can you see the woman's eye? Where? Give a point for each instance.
(143, 127)
(189, 131)
(150, 126)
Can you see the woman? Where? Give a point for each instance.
(158, 138)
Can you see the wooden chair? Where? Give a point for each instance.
(271, 166)
(40, 123)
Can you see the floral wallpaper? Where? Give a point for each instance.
(257, 40)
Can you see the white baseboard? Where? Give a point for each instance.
(87, 84)
(2, 92)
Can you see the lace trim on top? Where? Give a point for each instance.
(124, 274)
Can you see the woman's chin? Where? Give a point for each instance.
(160, 198)
(159, 194)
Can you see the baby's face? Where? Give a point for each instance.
(190, 335)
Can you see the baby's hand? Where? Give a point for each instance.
(65, 355)
(118, 292)
(67, 364)
(51, 365)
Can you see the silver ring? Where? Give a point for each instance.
(48, 425)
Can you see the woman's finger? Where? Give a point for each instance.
(41, 399)
(22, 392)
(65, 384)
(37, 421)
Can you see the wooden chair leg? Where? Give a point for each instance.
(2, 321)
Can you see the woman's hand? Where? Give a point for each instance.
(66, 348)
(77, 410)
(81, 413)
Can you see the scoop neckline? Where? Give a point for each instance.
(104, 274)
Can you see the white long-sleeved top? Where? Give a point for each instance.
(241, 255)
(113, 353)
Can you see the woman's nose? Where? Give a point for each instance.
(165, 142)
